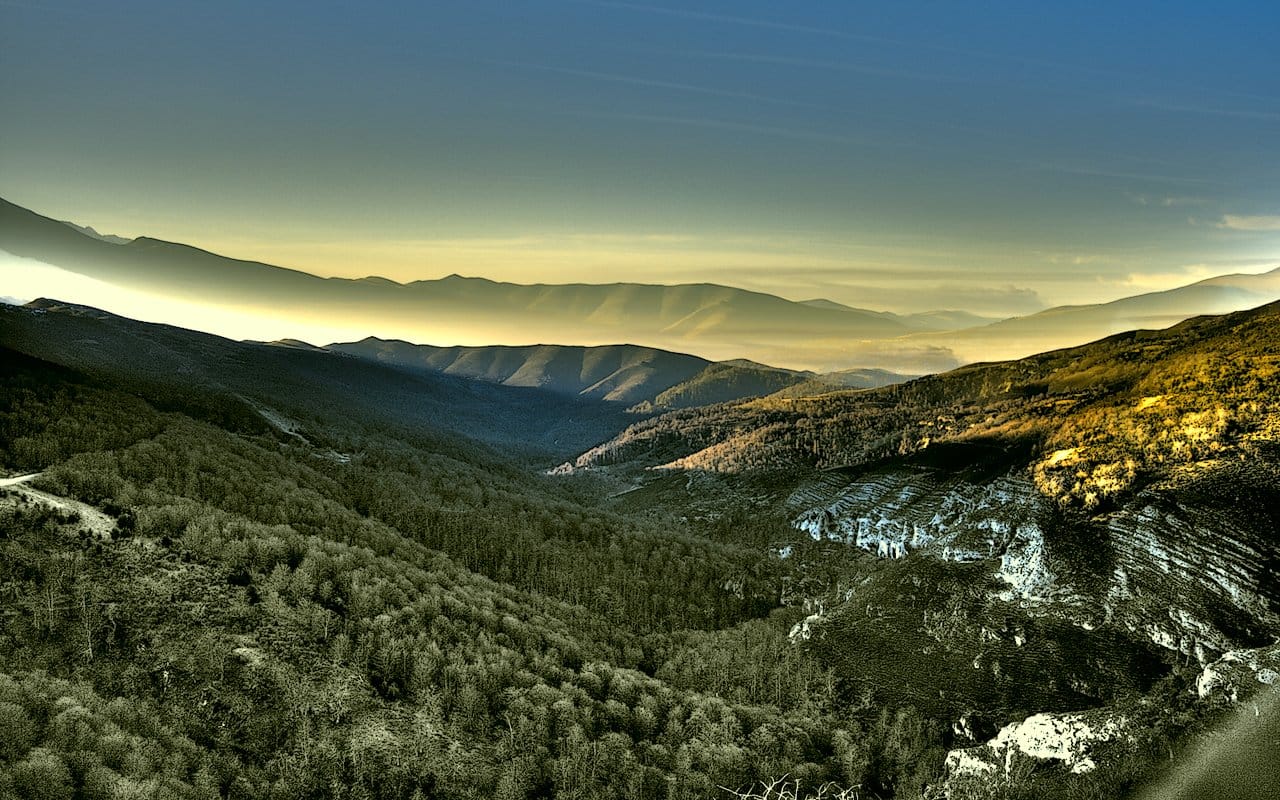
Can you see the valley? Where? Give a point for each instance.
(977, 582)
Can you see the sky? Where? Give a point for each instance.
(996, 157)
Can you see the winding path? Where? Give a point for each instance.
(90, 517)
(19, 479)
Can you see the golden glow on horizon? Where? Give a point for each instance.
(24, 279)
(886, 276)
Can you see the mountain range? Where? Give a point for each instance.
(718, 323)
(1069, 325)
(186, 368)
(637, 376)
(722, 322)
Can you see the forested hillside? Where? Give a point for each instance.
(1068, 532)
(1105, 418)
(368, 610)
(643, 377)
(321, 389)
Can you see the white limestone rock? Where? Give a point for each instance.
(1239, 673)
(1064, 738)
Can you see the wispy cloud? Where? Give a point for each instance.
(1250, 222)
(821, 64)
(1189, 274)
(1089, 171)
(813, 30)
(743, 127)
(751, 22)
(1165, 201)
(651, 83)
(1239, 113)
(1159, 281)
(834, 33)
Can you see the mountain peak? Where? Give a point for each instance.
(93, 234)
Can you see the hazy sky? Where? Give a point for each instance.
(991, 156)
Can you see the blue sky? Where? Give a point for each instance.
(994, 156)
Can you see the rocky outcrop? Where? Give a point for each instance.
(1071, 740)
(1239, 673)
(803, 630)
(894, 513)
(1199, 582)
(1169, 566)
(1065, 739)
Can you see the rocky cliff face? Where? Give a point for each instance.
(1186, 565)
(1067, 739)
(1196, 578)
(894, 513)
(1052, 536)
(1239, 674)
(1189, 576)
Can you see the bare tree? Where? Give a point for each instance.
(783, 789)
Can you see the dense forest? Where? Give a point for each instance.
(274, 623)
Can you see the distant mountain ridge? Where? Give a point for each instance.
(718, 322)
(644, 377)
(1063, 326)
(102, 237)
(195, 366)
(619, 373)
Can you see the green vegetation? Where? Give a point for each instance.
(272, 622)
(722, 383)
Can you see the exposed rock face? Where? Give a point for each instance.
(1069, 739)
(1196, 581)
(1064, 738)
(803, 630)
(1192, 579)
(1239, 673)
(894, 513)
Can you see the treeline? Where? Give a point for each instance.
(303, 667)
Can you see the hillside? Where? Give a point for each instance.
(959, 539)
(192, 366)
(843, 379)
(718, 323)
(263, 618)
(641, 377)
(263, 568)
(726, 382)
(1141, 378)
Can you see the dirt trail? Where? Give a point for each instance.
(90, 517)
(17, 479)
